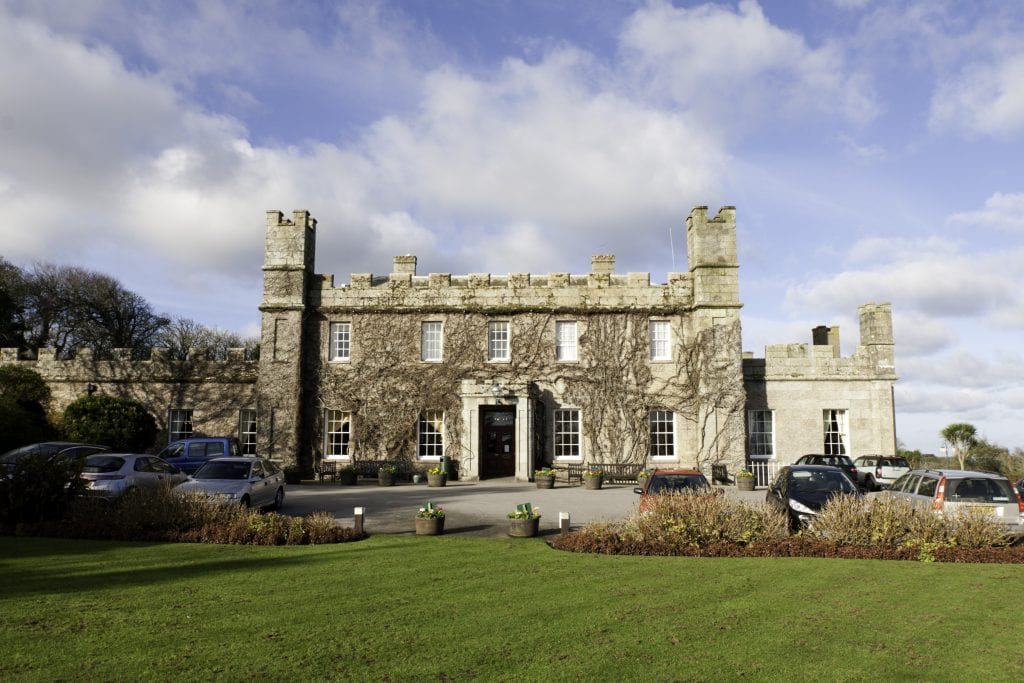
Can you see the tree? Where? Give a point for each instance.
(70, 308)
(12, 309)
(187, 339)
(961, 436)
(121, 423)
(24, 397)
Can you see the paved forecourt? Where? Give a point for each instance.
(477, 508)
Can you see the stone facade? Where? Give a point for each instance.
(501, 374)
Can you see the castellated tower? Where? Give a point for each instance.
(287, 269)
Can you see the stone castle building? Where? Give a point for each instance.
(503, 374)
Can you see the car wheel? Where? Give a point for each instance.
(869, 483)
(245, 502)
(278, 500)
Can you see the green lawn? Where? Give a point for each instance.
(447, 608)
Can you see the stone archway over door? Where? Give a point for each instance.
(497, 441)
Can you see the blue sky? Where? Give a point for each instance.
(872, 149)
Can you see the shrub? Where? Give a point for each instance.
(39, 488)
(23, 400)
(121, 423)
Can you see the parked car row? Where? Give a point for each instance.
(248, 481)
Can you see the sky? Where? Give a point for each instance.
(872, 148)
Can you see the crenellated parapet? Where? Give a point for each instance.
(873, 359)
(121, 367)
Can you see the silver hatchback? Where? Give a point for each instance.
(239, 480)
(950, 491)
(110, 475)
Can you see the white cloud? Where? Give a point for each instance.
(1003, 211)
(739, 63)
(982, 98)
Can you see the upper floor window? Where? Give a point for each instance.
(662, 433)
(565, 341)
(337, 434)
(341, 341)
(431, 341)
(247, 430)
(179, 424)
(567, 433)
(760, 434)
(498, 340)
(661, 340)
(837, 438)
(430, 434)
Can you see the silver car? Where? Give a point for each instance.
(949, 491)
(111, 475)
(246, 481)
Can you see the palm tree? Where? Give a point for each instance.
(961, 436)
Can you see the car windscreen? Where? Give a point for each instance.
(979, 490)
(676, 483)
(223, 470)
(103, 463)
(820, 480)
(894, 462)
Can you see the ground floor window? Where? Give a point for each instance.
(837, 438)
(760, 433)
(338, 431)
(179, 424)
(247, 430)
(430, 434)
(567, 433)
(663, 433)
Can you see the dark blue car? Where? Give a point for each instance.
(188, 455)
(802, 490)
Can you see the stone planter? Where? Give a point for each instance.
(347, 477)
(429, 526)
(744, 483)
(436, 480)
(544, 482)
(523, 528)
(593, 483)
(386, 478)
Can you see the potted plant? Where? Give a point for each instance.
(745, 480)
(386, 475)
(544, 478)
(292, 474)
(436, 477)
(430, 520)
(347, 475)
(641, 477)
(593, 479)
(524, 521)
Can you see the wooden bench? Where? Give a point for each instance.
(614, 473)
(326, 468)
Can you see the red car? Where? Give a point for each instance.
(676, 481)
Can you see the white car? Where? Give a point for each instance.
(111, 475)
(246, 481)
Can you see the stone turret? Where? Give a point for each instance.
(287, 272)
(711, 252)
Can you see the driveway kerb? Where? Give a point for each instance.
(476, 508)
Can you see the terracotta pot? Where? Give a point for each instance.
(544, 482)
(745, 483)
(386, 478)
(523, 528)
(436, 480)
(429, 526)
(593, 483)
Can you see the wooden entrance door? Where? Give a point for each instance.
(497, 441)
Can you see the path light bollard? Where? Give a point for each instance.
(563, 522)
(358, 516)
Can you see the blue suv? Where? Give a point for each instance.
(188, 455)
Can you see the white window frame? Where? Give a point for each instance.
(432, 341)
(567, 435)
(179, 424)
(247, 430)
(340, 342)
(661, 422)
(835, 441)
(499, 341)
(337, 434)
(660, 335)
(566, 341)
(430, 435)
(761, 434)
